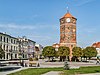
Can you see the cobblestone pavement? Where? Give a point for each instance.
(56, 64)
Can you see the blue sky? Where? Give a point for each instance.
(39, 19)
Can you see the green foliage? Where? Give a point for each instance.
(77, 51)
(89, 52)
(63, 51)
(35, 59)
(48, 51)
(30, 59)
(2, 53)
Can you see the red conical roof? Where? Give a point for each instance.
(68, 15)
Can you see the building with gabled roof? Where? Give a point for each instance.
(97, 46)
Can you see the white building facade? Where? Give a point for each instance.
(9, 45)
(16, 48)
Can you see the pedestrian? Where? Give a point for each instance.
(97, 61)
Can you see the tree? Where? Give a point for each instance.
(76, 52)
(63, 52)
(2, 53)
(89, 52)
(49, 52)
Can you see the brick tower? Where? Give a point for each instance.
(68, 31)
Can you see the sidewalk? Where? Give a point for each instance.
(52, 73)
(91, 74)
(8, 72)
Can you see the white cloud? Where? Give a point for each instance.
(41, 33)
(39, 37)
(83, 2)
(90, 30)
(15, 26)
(29, 27)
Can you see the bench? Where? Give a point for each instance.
(34, 63)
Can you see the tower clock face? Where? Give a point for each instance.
(68, 20)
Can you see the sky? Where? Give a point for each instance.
(38, 20)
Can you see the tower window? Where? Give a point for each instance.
(71, 45)
(68, 37)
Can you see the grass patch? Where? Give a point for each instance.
(36, 71)
(82, 70)
(39, 71)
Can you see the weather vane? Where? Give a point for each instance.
(67, 9)
(67, 6)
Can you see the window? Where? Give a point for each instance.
(68, 27)
(7, 40)
(11, 41)
(71, 45)
(4, 56)
(23, 55)
(11, 47)
(7, 55)
(4, 47)
(68, 38)
(1, 38)
(14, 41)
(15, 55)
(14, 47)
(4, 39)
(1, 44)
(7, 48)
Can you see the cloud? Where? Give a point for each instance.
(82, 2)
(37, 36)
(28, 27)
(15, 26)
(45, 39)
(41, 33)
(91, 30)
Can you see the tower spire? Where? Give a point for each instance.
(67, 9)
